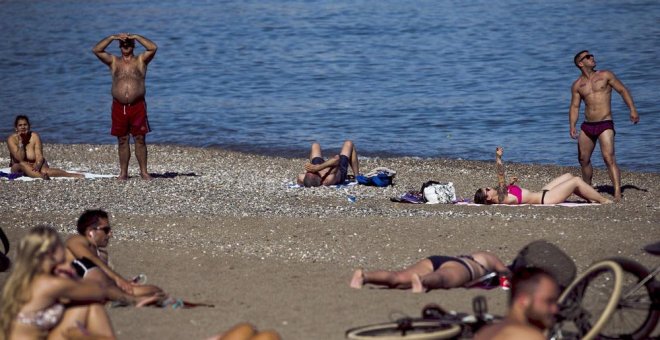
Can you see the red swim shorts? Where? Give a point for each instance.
(129, 118)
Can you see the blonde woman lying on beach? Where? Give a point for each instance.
(40, 300)
(26, 153)
(434, 272)
(557, 191)
(246, 331)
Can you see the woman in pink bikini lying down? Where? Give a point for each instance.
(557, 191)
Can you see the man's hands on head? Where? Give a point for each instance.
(311, 167)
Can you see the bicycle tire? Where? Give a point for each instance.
(587, 322)
(418, 330)
(636, 316)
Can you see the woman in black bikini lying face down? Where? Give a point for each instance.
(434, 272)
(557, 191)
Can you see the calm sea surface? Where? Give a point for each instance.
(401, 78)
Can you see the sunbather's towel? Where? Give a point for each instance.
(563, 204)
(347, 183)
(6, 174)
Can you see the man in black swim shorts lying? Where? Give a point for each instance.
(319, 171)
(434, 272)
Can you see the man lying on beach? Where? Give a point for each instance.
(26, 153)
(88, 250)
(319, 172)
(532, 307)
(434, 272)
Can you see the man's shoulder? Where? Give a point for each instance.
(76, 239)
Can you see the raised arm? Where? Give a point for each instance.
(78, 247)
(16, 147)
(618, 86)
(318, 167)
(574, 110)
(149, 45)
(99, 49)
(501, 178)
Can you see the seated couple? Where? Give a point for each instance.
(557, 191)
(319, 171)
(434, 272)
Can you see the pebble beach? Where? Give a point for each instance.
(226, 228)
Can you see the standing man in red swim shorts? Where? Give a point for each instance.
(595, 89)
(129, 110)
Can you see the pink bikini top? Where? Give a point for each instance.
(515, 191)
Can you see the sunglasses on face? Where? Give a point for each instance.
(105, 229)
(588, 56)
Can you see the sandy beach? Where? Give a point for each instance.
(237, 236)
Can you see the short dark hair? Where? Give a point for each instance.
(575, 59)
(19, 117)
(312, 179)
(90, 218)
(526, 281)
(480, 196)
(129, 42)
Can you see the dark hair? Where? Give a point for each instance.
(311, 179)
(480, 196)
(575, 59)
(129, 42)
(526, 281)
(19, 117)
(90, 218)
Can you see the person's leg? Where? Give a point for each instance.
(124, 150)
(146, 290)
(349, 150)
(26, 169)
(450, 275)
(560, 179)
(141, 155)
(83, 322)
(266, 335)
(315, 151)
(53, 172)
(242, 331)
(585, 149)
(392, 279)
(606, 141)
(576, 186)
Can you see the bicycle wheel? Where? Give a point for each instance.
(587, 303)
(637, 313)
(415, 330)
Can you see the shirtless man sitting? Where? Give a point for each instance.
(532, 306)
(90, 259)
(332, 171)
(434, 272)
(26, 153)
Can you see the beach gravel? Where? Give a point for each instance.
(227, 228)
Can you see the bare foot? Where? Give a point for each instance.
(606, 201)
(145, 176)
(417, 286)
(358, 279)
(122, 177)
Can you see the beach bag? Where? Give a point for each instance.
(436, 192)
(378, 177)
(548, 257)
(5, 263)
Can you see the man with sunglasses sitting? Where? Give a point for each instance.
(88, 251)
(595, 89)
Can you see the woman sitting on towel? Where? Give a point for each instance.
(26, 153)
(557, 191)
(41, 299)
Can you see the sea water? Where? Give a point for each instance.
(401, 78)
